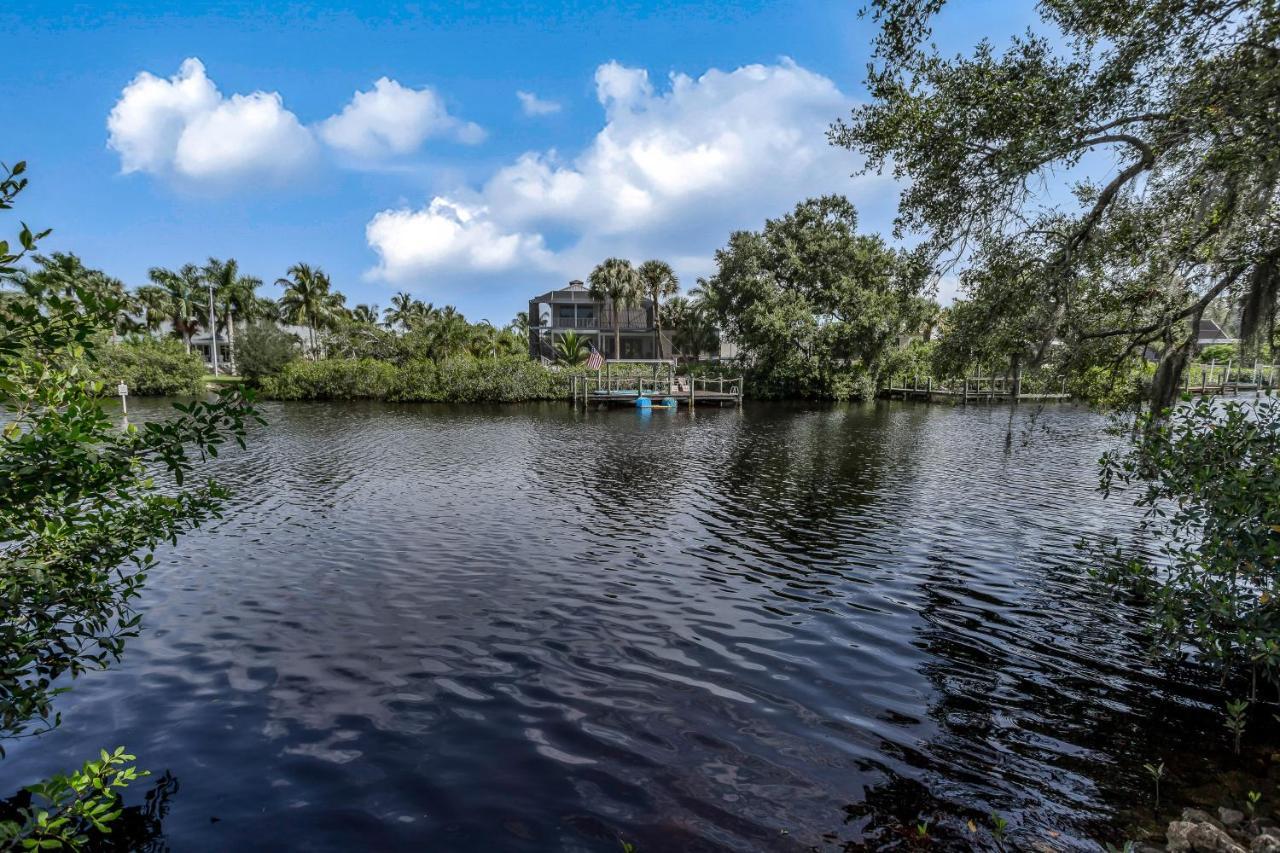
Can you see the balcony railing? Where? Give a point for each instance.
(629, 320)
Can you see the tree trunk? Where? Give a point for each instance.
(311, 336)
(231, 341)
(1015, 365)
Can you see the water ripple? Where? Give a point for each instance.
(528, 628)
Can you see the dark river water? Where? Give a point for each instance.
(528, 628)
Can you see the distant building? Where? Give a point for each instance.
(202, 341)
(1211, 333)
(573, 309)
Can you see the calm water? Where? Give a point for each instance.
(524, 628)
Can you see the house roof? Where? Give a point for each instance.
(576, 291)
(1211, 333)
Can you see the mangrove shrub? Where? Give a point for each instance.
(149, 366)
(1208, 477)
(83, 504)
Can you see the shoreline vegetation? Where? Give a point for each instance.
(1104, 287)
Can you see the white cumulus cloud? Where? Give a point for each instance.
(394, 119)
(447, 235)
(671, 173)
(182, 127)
(532, 105)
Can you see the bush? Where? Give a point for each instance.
(497, 380)
(263, 350)
(331, 379)
(1210, 484)
(149, 366)
(1113, 388)
(457, 380)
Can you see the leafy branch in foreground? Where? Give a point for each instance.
(1101, 182)
(83, 505)
(1208, 477)
(65, 809)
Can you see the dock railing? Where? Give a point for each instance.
(686, 390)
(1210, 378)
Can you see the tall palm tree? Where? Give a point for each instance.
(484, 340)
(450, 333)
(401, 311)
(234, 295)
(615, 282)
(306, 299)
(659, 282)
(367, 314)
(154, 303)
(181, 287)
(521, 323)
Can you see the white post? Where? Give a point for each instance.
(123, 391)
(213, 332)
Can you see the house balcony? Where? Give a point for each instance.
(631, 320)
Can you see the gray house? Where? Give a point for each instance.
(572, 308)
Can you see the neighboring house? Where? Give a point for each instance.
(202, 342)
(572, 308)
(1211, 333)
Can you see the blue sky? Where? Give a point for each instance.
(158, 134)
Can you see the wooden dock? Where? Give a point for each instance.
(1199, 380)
(688, 392)
(976, 389)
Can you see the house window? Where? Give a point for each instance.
(564, 315)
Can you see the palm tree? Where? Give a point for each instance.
(521, 323)
(512, 343)
(572, 349)
(615, 281)
(367, 314)
(154, 302)
(234, 294)
(401, 312)
(182, 288)
(306, 299)
(693, 331)
(659, 281)
(484, 340)
(450, 333)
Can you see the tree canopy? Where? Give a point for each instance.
(814, 307)
(1162, 116)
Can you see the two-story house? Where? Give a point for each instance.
(572, 308)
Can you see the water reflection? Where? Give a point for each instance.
(530, 628)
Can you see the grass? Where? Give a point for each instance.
(220, 379)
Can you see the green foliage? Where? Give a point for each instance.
(1208, 477)
(1161, 114)
(462, 379)
(1219, 353)
(617, 284)
(332, 379)
(1113, 387)
(572, 349)
(263, 349)
(83, 505)
(1236, 721)
(149, 366)
(67, 810)
(691, 327)
(309, 300)
(814, 307)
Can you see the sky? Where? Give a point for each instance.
(473, 154)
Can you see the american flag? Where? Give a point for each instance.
(594, 361)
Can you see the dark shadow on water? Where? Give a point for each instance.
(139, 829)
